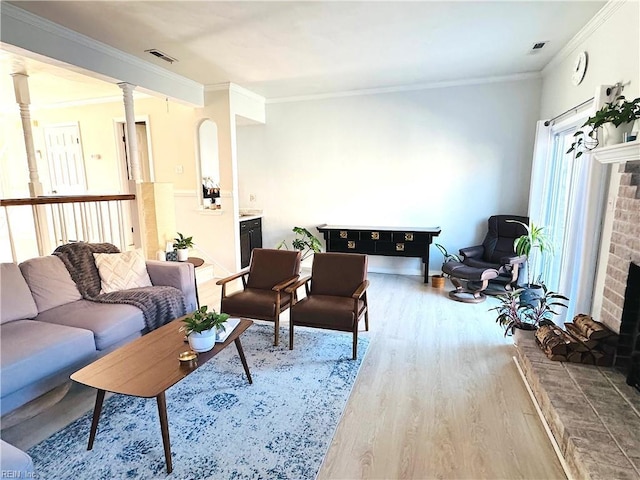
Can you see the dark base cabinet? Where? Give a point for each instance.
(389, 241)
(250, 238)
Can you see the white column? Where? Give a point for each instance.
(21, 89)
(131, 140)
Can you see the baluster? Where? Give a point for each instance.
(121, 225)
(63, 224)
(11, 243)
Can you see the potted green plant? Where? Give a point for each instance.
(544, 311)
(615, 118)
(304, 241)
(182, 245)
(535, 242)
(438, 280)
(203, 327)
(515, 315)
(511, 312)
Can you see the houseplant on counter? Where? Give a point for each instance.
(182, 245)
(614, 118)
(304, 241)
(202, 328)
(535, 242)
(438, 280)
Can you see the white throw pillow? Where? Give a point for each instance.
(121, 271)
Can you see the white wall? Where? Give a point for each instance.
(447, 157)
(613, 47)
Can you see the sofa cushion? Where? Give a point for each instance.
(33, 350)
(121, 271)
(49, 281)
(109, 322)
(16, 301)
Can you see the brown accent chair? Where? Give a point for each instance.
(336, 295)
(264, 282)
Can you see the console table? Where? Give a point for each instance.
(389, 241)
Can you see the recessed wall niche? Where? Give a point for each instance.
(209, 164)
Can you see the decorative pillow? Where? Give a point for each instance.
(121, 271)
(50, 282)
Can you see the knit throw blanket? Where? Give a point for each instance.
(159, 304)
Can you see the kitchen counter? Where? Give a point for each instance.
(242, 218)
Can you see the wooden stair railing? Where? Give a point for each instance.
(56, 220)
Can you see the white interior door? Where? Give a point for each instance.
(65, 159)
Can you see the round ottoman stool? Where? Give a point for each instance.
(479, 278)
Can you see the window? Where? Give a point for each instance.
(566, 197)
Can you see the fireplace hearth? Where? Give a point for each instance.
(628, 350)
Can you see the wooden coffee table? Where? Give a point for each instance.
(147, 367)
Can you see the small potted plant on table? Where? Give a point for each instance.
(182, 245)
(203, 327)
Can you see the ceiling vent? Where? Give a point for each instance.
(159, 54)
(539, 45)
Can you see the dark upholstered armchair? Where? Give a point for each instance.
(336, 295)
(263, 296)
(494, 261)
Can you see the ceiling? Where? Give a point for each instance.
(283, 49)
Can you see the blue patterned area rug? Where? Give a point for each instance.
(220, 426)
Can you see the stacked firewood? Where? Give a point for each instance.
(584, 341)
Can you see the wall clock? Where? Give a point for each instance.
(579, 68)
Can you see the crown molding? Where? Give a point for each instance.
(55, 40)
(611, 7)
(90, 101)
(247, 93)
(217, 87)
(408, 88)
(234, 87)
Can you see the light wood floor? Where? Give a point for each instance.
(438, 395)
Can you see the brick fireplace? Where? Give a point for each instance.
(625, 245)
(621, 289)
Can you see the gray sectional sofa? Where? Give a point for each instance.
(48, 330)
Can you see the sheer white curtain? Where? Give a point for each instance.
(566, 196)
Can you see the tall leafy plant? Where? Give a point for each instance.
(535, 242)
(304, 241)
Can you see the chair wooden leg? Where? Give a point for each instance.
(366, 319)
(290, 334)
(355, 343)
(277, 333)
